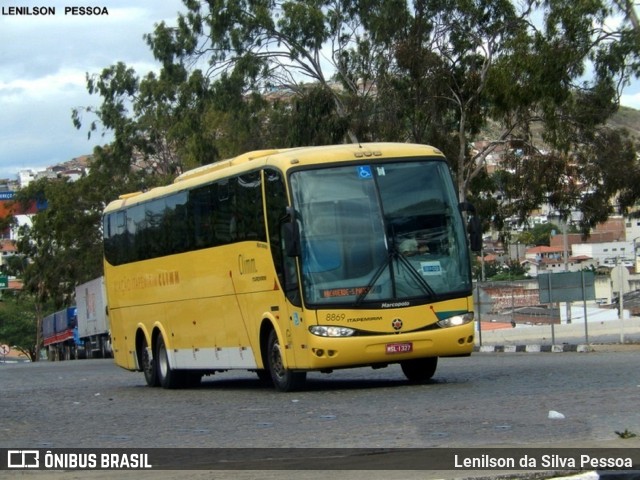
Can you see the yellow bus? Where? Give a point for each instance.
(289, 261)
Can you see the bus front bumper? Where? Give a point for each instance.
(336, 352)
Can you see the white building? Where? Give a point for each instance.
(606, 254)
(632, 229)
(25, 177)
(551, 260)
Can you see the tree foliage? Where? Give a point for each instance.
(18, 324)
(532, 83)
(539, 235)
(238, 75)
(566, 154)
(62, 247)
(64, 239)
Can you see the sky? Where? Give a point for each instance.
(44, 60)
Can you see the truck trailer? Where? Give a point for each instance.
(93, 319)
(60, 335)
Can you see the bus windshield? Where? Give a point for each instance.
(386, 233)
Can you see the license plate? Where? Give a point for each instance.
(399, 347)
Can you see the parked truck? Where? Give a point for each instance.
(60, 335)
(93, 319)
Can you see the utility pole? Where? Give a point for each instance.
(565, 258)
(621, 297)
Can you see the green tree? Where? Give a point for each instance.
(512, 270)
(565, 153)
(66, 233)
(18, 325)
(282, 44)
(48, 276)
(14, 265)
(141, 135)
(310, 119)
(539, 235)
(489, 269)
(427, 71)
(458, 44)
(63, 245)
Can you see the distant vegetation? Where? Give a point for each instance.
(628, 119)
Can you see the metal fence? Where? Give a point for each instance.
(512, 302)
(499, 306)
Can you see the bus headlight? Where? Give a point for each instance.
(456, 320)
(323, 331)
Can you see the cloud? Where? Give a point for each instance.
(43, 66)
(631, 100)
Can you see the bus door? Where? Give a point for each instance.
(296, 327)
(284, 244)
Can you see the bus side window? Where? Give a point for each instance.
(177, 238)
(201, 209)
(155, 239)
(136, 226)
(275, 202)
(248, 212)
(225, 226)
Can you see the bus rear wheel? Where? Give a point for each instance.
(284, 379)
(419, 369)
(148, 365)
(167, 377)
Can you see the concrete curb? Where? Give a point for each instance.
(532, 348)
(535, 348)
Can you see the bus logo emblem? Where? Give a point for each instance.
(396, 324)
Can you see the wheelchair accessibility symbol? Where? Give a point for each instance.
(365, 172)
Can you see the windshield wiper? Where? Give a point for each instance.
(375, 277)
(419, 278)
(394, 254)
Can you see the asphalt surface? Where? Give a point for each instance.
(501, 397)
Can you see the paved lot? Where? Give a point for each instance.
(489, 399)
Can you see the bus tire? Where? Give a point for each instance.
(148, 365)
(419, 369)
(284, 380)
(265, 377)
(167, 377)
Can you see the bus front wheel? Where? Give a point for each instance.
(284, 379)
(265, 377)
(419, 369)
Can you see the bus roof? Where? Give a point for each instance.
(282, 158)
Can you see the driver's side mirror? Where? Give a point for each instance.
(291, 239)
